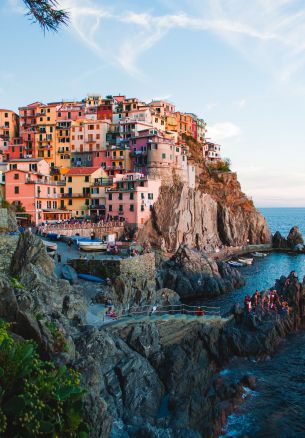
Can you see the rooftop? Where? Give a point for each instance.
(82, 170)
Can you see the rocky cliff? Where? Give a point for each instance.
(215, 213)
(144, 378)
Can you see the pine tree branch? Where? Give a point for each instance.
(47, 14)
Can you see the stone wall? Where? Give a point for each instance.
(133, 281)
(139, 266)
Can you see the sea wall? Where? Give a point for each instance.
(133, 280)
(139, 266)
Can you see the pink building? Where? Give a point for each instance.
(27, 182)
(132, 198)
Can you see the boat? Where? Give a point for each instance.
(92, 246)
(246, 261)
(50, 246)
(93, 278)
(52, 236)
(235, 264)
(68, 273)
(259, 254)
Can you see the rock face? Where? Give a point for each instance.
(294, 237)
(149, 378)
(193, 275)
(293, 241)
(215, 213)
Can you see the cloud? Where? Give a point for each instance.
(223, 131)
(269, 33)
(137, 32)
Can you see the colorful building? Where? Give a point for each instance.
(132, 198)
(9, 127)
(77, 192)
(28, 183)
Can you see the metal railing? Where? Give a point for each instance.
(155, 311)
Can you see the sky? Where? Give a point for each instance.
(239, 65)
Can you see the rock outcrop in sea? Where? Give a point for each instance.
(294, 240)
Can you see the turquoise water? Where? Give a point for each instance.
(282, 219)
(264, 271)
(277, 407)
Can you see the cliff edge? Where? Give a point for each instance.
(214, 213)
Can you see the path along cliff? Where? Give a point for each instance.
(143, 379)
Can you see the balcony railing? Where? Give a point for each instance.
(45, 182)
(75, 195)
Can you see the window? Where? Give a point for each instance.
(120, 207)
(163, 156)
(16, 175)
(110, 207)
(69, 201)
(86, 178)
(131, 207)
(59, 114)
(150, 196)
(142, 196)
(69, 178)
(142, 207)
(16, 190)
(110, 196)
(177, 150)
(131, 196)
(150, 207)
(5, 114)
(120, 196)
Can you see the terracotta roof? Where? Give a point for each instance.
(82, 170)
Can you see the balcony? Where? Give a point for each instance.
(75, 195)
(103, 183)
(45, 182)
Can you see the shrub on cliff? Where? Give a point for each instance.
(36, 398)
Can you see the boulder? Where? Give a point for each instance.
(278, 241)
(294, 238)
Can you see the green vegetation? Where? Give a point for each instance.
(58, 337)
(221, 165)
(16, 283)
(5, 204)
(36, 398)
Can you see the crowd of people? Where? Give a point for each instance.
(270, 300)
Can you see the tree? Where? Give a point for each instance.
(46, 13)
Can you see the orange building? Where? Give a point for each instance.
(9, 127)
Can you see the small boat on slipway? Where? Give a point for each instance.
(50, 246)
(245, 261)
(235, 264)
(93, 278)
(259, 254)
(91, 245)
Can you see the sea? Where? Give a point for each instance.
(277, 407)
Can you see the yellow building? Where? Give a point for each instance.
(45, 135)
(171, 122)
(63, 145)
(9, 127)
(184, 123)
(78, 191)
